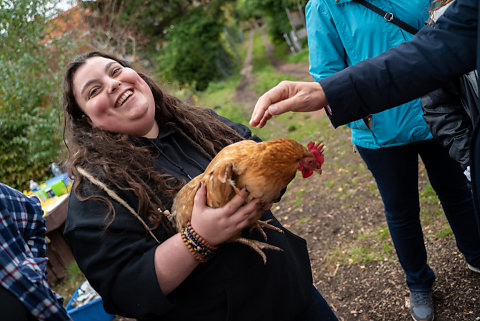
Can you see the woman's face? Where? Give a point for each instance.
(115, 98)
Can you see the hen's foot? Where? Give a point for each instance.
(259, 225)
(258, 246)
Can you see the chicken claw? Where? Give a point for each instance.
(259, 225)
(258, 246)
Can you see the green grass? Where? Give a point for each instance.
(330, 184)
(304, 219)
(220, 97)
(368, 246)
(267, 77)
(73, 278)
(387, 248)
(443, 233)
(383, 233)
(259, 53)
(301, 56)
(283, 52)
(301, 192)
(428, 194)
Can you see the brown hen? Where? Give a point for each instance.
(265, 169)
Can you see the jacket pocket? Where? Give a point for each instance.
(358, 124)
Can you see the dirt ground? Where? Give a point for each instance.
(372, 290)
(340, 215)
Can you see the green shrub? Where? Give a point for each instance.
(199, 50)
(30, 132)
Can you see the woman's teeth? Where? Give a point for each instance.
(124, 97)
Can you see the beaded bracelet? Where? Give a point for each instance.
(197, 251)
(199, 247)
(200, 239)
(190, 248)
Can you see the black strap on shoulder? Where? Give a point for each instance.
(389, 17)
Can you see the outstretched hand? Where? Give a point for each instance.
(296, 96)
(217, 225)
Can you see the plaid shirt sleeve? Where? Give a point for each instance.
(22, 257)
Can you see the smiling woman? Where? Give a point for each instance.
(132, 148)
(115, 98)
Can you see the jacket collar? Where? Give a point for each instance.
(165, 131)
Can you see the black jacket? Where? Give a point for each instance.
(234, 285)
(450, 113)
(449, 122)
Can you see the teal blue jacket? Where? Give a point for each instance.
(342, 33)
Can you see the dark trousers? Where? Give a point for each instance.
(12, 309)
(395, 170)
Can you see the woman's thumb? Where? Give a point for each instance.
(201, 195)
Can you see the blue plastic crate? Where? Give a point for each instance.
(91, 311)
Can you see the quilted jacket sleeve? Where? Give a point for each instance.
(448, 122)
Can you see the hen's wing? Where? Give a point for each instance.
(220, 177)
(183, 203)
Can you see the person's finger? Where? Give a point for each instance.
(278, 108)
(245, 213)
(200, 199)
(272, 96)
(236, 202)
(282, 106)
(259, 111)
(264, 119)
(251, 207)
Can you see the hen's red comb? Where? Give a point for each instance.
(317, 151)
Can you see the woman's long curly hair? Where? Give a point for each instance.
(437, 4)
(123, 162)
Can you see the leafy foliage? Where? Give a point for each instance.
(200, 49)
(273, 11)
(150, 19)
(192, 41)
(30, 135)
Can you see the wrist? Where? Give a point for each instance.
(201, 249)
(204, 232)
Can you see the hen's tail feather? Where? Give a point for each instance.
(258, 246)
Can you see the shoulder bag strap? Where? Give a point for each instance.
(388, 16)
(117, 198)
